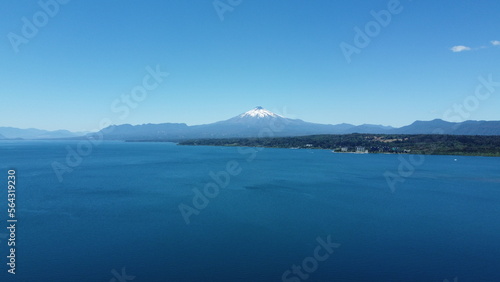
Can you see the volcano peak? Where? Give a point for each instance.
(259, 112)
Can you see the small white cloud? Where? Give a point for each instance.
(460, 48)
(495, 42)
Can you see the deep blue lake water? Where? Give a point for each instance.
(117, 213)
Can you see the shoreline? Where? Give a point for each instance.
(361, 143)
(458, 154)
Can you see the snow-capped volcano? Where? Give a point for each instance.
(256, 118)
(259, 112)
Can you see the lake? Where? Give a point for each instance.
(121, 211)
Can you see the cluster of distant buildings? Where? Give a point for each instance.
(363, 150)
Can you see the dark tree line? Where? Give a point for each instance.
(373, 143)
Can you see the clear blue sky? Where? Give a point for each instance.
(276, 54)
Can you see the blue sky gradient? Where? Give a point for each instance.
(282, 54)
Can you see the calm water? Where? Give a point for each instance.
(120, 209)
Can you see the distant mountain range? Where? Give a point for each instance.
(32, 133)
(257, 122)
(260, 122)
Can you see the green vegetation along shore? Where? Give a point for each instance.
(427, 144)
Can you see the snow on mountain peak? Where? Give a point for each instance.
(259, 112)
